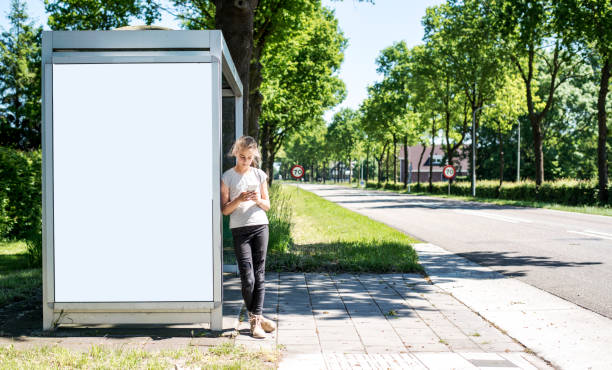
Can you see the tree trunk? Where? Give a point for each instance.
(380, 160)
(324, 172)
(536, 129)
(394, 159)
(270, 176)
(313, 176)
(602, 159)
(535, 118)
(235, 19)
(433, 146)
(255, 98)
(387, 165)
(265, 152)
(350, 169)
(501, 159)
(337, 171)
(431, 166)
(367, 164)
(405, 166)
(419, 168)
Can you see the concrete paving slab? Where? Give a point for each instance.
(444, 361)
(302, 348)
(426, 347)
(459, 345)
(386, 349)
(343, 348)
(525, 361)
(424, 338)
(313, 361)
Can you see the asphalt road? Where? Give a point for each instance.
(564, 253)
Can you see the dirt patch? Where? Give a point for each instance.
(22, 317)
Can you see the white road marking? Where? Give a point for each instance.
(514, 220)
(593, 234)
(598, 232)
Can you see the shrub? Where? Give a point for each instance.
(569, 192)
(21, 199)
(279, 217)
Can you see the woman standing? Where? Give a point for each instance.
(244, 196)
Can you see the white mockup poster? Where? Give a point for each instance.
(132, 182)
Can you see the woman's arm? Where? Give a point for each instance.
(228, 207)
(264, 201)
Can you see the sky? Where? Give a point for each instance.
(371, 28)
(368, 27)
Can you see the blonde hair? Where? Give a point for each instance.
(246, 142)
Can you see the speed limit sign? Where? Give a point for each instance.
(297, 171)
(449, 172)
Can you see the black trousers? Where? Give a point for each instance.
(250, 246)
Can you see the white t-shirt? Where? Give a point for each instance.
(247, 213)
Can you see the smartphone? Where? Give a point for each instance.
(252, 187)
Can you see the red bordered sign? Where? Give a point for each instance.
(449, 172)
(297, 171)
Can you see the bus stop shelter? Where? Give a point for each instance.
(132, 156)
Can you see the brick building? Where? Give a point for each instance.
(414, 153)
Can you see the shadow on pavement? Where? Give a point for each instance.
(454, 265)
(427, 203)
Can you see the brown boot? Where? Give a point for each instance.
(267, 325)
(256, 329)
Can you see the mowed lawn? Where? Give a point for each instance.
(223, 356)
(17, 280)
(327, 237)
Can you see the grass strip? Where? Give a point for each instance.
(17, 281)
(223, 356)
(590, 210)
(586, 209)
(330, 238)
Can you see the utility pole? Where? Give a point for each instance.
(474, 147)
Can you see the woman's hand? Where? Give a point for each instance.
(246, 196)
(227, 206)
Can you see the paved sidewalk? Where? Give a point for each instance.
(378, 321)
(565, 334)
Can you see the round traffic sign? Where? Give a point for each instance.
(297, 171)
(449, 171)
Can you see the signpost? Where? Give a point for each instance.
(297, 172)
(449, 173)
(409, 175)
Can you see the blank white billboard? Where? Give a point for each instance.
(132, 182)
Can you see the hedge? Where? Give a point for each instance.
(21, 199)
(566, 191)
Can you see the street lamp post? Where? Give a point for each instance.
(474, 147)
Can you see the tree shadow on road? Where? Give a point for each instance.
(427, 203)
(470, 264)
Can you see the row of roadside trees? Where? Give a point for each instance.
(542, 66)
